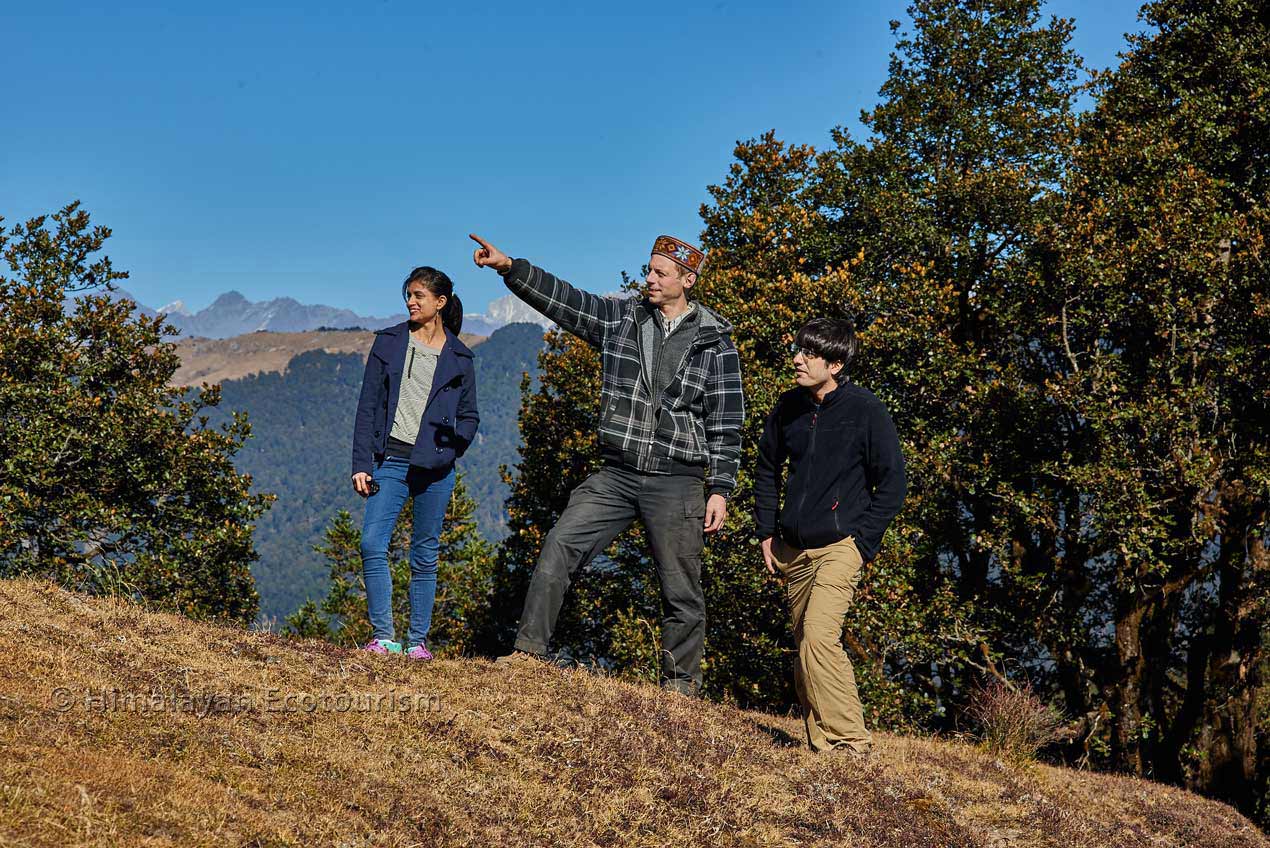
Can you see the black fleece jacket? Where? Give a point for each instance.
(846, 471)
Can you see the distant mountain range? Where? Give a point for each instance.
(232, 314)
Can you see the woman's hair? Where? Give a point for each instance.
(830, 338)
(441, 286)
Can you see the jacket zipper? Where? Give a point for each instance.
(647, 449)
(692, 348)
(811, 452)
(644, 449)
(661, 349)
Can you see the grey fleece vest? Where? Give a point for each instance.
(661, 354)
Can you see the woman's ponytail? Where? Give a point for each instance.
(452, 314)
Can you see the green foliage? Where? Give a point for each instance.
(939, 209)
(1066, 317)
(1067, 323)
(501, 361)
(464, 572)
(1156, 298)
(110, 482)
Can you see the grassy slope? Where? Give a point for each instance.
(494, 756)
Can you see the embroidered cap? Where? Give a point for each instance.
(680, 252)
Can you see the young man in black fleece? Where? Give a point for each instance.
(846, 482)
(671, 410)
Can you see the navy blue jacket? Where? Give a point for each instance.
(450, 419)
(846, 471)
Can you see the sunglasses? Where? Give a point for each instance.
(807, 353)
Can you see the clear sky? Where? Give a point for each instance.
(320, 150)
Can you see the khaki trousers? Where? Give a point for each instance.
(820, 584)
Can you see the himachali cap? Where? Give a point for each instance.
(680, 252)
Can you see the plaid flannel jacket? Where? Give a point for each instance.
(703, 408)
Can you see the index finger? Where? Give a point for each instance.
(482, 242)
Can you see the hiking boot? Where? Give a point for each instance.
(687, 688)
(382, 646)
(520, 659)
(867, 756)
(419, 652)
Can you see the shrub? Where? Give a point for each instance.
(1013, 722)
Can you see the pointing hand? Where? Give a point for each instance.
(488, 256)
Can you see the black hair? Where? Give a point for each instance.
(441, 286)
(830, 338)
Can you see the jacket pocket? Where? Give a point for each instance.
(836, 509)
(698, 433)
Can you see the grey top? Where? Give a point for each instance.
(416, 385)
(663, 347)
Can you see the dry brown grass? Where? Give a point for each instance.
(496, 757)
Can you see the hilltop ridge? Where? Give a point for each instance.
(122, 726)
(205, 360)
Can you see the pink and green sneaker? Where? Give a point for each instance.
(382, 646)
(419, 652)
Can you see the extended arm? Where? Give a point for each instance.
(586, 315)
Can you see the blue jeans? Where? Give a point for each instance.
(431, 490)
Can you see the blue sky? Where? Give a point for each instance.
(319, 151)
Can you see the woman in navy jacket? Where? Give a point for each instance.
(416, 415)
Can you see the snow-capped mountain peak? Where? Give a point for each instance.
(510, 309)
(232, 314)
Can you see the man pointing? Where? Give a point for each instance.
(671, 410)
